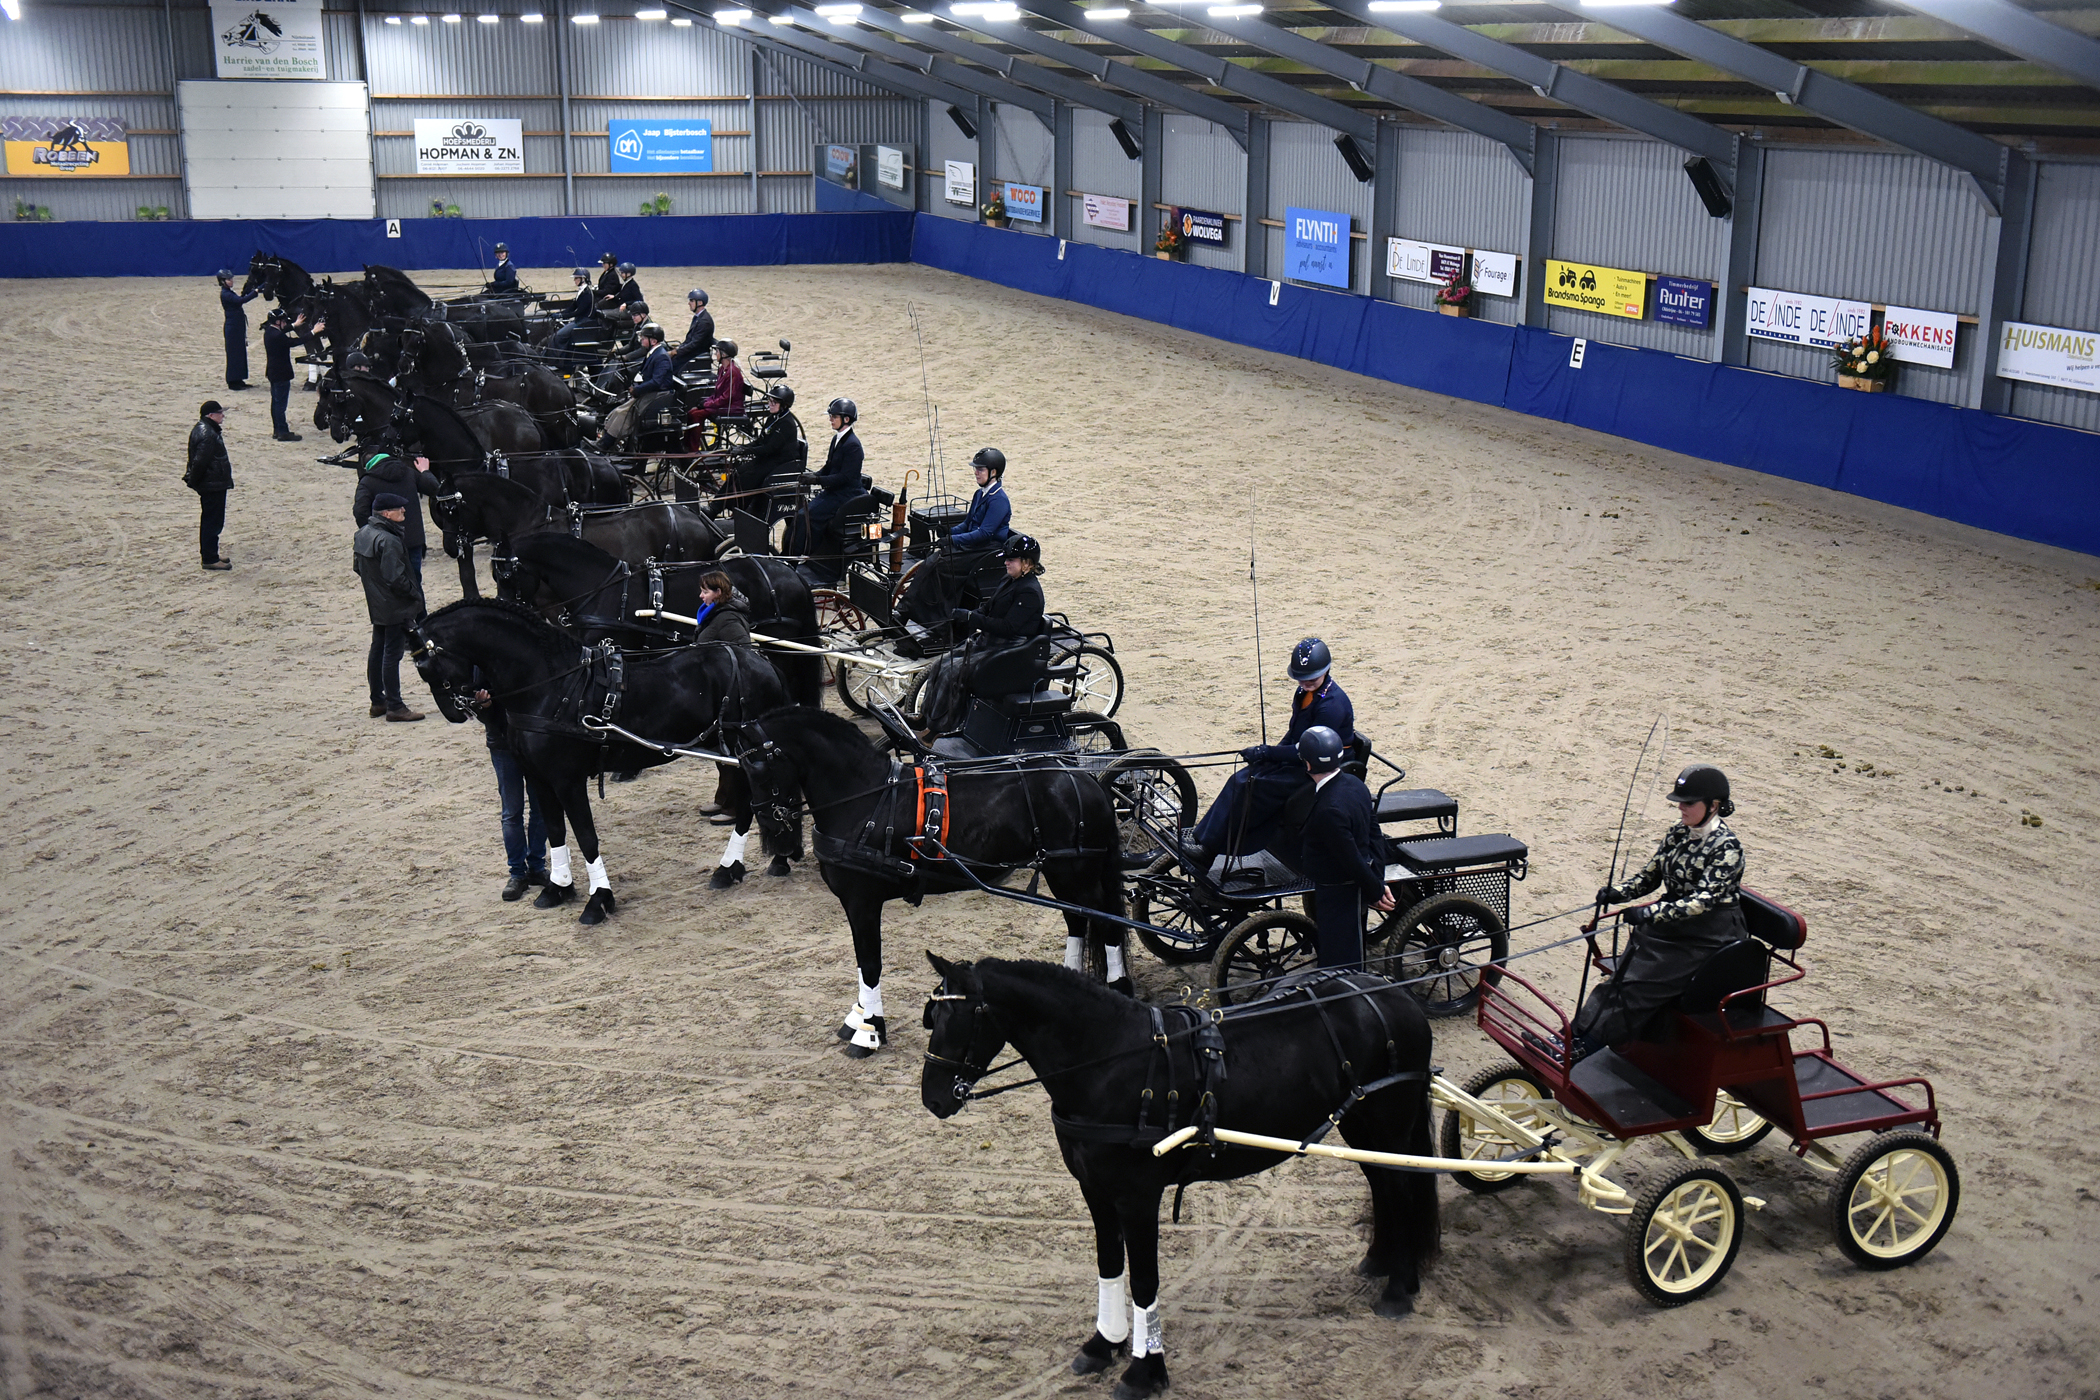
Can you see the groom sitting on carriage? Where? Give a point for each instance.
(1012, 615)
(1245, 817)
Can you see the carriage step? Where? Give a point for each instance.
(1628, 1097)
(1419, 805)
(1453, 852)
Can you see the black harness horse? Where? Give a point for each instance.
(556, 698)
(889, 831)
(1332, 1048)
(433, 360)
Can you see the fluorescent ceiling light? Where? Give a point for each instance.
(486, 19)
(530, 19)
(1404, 7)
(583, 19)
(1620, 4)
(1110, 12)
(731, 18)
(13, 8)
(419, 19)
(393, 19)
(916, 17)
(452, 19)
(1232, 11)
(838, 11)
(780, 19)
(986, 11)
(681, 22)
(652, 14)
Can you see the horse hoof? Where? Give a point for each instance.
(780, 866)
(1392, 1305)
(1097, 1355)
(1371, 1266)
(1146, 1377)
(727, 876)
(554, 895)
(598, 906)
(873, 1034)
(858, 1052)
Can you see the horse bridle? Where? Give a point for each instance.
(969, 1071)
(766, 793)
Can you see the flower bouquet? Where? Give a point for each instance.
(1455, 296)
(1864, 363)
(994, 212)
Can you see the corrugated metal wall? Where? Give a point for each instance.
(500, 70)
(1878, 227)
(1464, 190)
(1024, 150)
(1306, 170)
(612, 61)
(1628, 204)
(1202, 167)
(1100, 167)
(948, 143)
(2063, 281)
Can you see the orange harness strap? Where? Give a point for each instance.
(933, 811)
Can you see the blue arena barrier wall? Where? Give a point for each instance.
(2031, 480)
(198, 248)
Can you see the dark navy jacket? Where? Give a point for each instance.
(656, 374)
(986, 523)
(277, 351)
(584, 308)
(842, 466)
(231, 302)
(1328, 705)
(1342, 844)
(699, 337)
(505, 277)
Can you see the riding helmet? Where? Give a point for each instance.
(627, 269)
(727, 347)
(225, 274)
(582, 274)
(1310, 658)
(697, 295)
(652, 330)
(991, 459)
(608, 259)
(1020, 546)
(1702, 782)
(503, 247)
(1321, 748)
(782, 395)
(843, 408)
(638, 308)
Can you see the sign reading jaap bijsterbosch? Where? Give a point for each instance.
(470, 146)
(1609, 291)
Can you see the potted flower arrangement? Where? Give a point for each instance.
(1168, 246)
(1864, 363)
(657, 206)
(994, 212)
(1455, 296)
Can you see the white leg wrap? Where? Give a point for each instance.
(1112, 1313)
(596, 870)
(870, 998)
(558, 866)
(1075, 954)
(1144, 1331)
(1115, 963)
(733, 851)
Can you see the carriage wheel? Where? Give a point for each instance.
(1183, 928)
(1145, 783)
(837, 615)
(1272, 944)
(1098, 688)
(862, 684)
(904, 581)
(1685, 1231)
(1894, 1199)
(1736, 1128)
(1439, 950)
(1510, 1088)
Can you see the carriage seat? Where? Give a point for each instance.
(1437, 854)
(1418, 805)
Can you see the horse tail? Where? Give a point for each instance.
(1111, 877)
(1421, 1223)
(803, 671)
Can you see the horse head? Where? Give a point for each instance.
(262, 273)
(962, 1038)
(449, 675)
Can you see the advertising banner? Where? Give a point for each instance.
(842, 165)
(1024, 202)
(1422, 262)
(1106, 211)
(961, 184)
(889, 167)
(268, 39)
(675, 147)
(1316, 246)
(1495, 273)
(47, 146)
(1609, 291)
(1684, 301)
(1920, 337)
(470, 147)
(1802, 320)
(1199, 226)
(2050, 355)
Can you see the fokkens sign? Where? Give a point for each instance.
(495, 146)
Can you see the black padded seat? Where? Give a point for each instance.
(1041, 704)
(1773, 923)
(1453, 852)
(1417, 805)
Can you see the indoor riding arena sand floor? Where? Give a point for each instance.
(294, 1106)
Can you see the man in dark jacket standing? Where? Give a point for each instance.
(280, 334)
(1341, 851)
(393, 599)
(210, 475)
(524, 842)
(231, 302)
(387, 469)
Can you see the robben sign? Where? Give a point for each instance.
(495, 146)
(268, 39)
(1316, 246)
(66, 146)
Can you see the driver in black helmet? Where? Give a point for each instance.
(1338, 847)
(1014, 613)
(1699, 867)
(700, 335)
(583, 311)
(943, 580)
(1244, 818)
(780, 448)
(837, 482)
(628, 292)
(505, 276)
(232, 303)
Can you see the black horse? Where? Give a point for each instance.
(281, 280)
(870, 819)
(533, 670)
(551, 570)
(528, 492)
(1275, 1067)
(433, 360)
(454, 439)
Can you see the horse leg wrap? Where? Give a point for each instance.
(1075, 954)
(733, 850)
(1144, 1331)
(870, 999)
(558, 867)
(1115, 963)
(596, 870)
(1111, 1319)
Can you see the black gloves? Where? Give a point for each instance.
(1638, 915)
(1254, 753)
(959, 616)
(1608, 895)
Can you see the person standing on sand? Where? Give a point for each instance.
(231, 303)
(210, 475)
(393, 599)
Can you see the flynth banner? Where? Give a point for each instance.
(268, 39)
(44, 146)
(495, 146)
(1316, 246)
(1610, 291)
(660, 147)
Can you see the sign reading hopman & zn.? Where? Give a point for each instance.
(1316, 246)
(662, 147)
(495, 146)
